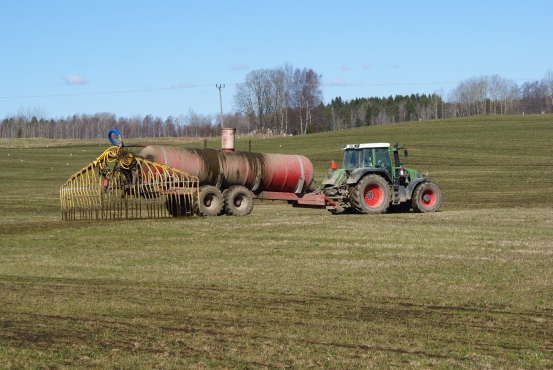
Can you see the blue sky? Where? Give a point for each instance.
(165, 57)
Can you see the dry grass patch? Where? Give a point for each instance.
(450, 289)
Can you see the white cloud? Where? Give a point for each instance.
(337, 81)
(367, 65)
(240, 67)
(344, 67)
(394, 65)
(75, 80)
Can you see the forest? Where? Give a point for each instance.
(289, 101)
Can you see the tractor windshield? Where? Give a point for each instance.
(350, 159)
(358, 158)
(383, 159)
(366, 158)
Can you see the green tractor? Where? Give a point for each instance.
(370, 182)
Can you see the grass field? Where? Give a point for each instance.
(467, 287)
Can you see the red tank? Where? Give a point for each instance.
(255, 171)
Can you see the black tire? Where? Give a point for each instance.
(427, 197)
(238, 201)
(342, 211)
(210, 202)
(371, 195)
(173, 205)
(404, 207)
(179, 205)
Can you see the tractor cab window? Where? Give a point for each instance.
(383, 159)
(350, 159)
(366, 158)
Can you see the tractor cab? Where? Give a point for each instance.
(377, 158)
(374, 155)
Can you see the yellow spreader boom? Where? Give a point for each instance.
(133, 188)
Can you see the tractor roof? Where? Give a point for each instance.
(366, 145)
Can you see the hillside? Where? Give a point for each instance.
(479, 162)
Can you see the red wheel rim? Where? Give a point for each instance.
(428, 198)
(373, 195)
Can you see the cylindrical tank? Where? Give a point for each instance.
(255, 171)
(227, 139)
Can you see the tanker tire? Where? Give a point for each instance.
(175, 205)
(427, 198)
(238, 201)
(224, 209)
(210, 202)
(371, 195)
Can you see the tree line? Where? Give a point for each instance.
(486, 95)
(31, 124)
(287, 100)
(497, 95)
(339, 114)
(280, 100)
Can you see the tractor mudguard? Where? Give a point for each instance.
(413, 184)
(359, 173)
(335, 177)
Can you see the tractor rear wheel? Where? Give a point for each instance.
(210, 201)
(427, 198)
(238, 201)
(371, 195)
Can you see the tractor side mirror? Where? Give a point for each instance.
(406, 153)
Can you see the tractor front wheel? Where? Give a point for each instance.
(427, 198)
(371, 195)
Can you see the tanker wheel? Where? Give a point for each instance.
(371, 195)
(176, 206)
(427, 198)
(238, 201)
(210, 202)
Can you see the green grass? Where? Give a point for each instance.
(467, 287)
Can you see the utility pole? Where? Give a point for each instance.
(219, 86)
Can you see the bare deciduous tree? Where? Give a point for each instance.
(267, 96)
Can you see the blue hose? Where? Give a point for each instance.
(111, 140)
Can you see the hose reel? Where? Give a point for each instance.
(120, 185)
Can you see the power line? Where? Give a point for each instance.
(189, 87)
(101, 93)
(205, 85)
(389, 84)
